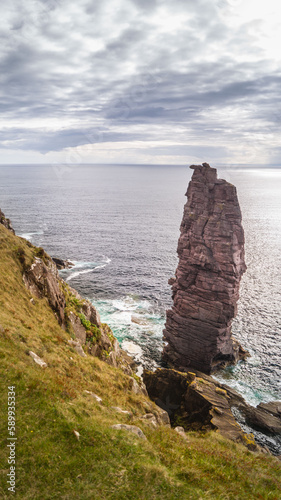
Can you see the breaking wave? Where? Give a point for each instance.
(81, 267)
(138, 324)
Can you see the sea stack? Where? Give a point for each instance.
(206, 287)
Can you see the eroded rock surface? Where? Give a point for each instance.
(75, 314)
(201, 403)
(206, 287)
(6, 222)
(43, 281)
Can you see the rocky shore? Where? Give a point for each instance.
(197, 401)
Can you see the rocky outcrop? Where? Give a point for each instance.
(273, 407)
(197, 402)
(42, 280)
(265, 417)
(205, 290)
(62, 264)
(6, 222)
(201, 403)
(75, 314)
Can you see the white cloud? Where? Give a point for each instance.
(132, 80)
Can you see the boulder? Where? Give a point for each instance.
(137, 388)
(129, 428)
(77, 347)
(180, 430)
(37, 359)
(94, 396)
(150, 419)
(162, 417)
(119, 410)
(273, 407)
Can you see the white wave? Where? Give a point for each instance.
(80, 264)
(131, 317)
(133, 349)
(74, 275)
(131, 304)
(86, 267)
(29, 236)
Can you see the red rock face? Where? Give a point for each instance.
(206, 286)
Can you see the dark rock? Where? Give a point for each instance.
(263, 420)
(62, 264)
(6, 222)
(273, 407)
(166, 387)
(198, 401)
(206, 286)
(265, 417)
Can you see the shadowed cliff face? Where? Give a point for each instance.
(206, 286)
(6, 222)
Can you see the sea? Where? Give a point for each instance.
(119, 226)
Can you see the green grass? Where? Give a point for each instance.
(104, 463)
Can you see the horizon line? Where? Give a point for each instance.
(276, 165)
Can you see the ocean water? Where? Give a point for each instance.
(119, 225)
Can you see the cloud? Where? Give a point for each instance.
(112, 72)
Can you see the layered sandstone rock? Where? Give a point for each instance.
(42, 280)
(206, 286)
(202, 403)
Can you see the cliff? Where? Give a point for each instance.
(205, 289)
(75, 314)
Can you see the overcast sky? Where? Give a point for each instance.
(140, 81)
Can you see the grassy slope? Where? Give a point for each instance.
(104, 463)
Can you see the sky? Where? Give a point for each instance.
(140, 81)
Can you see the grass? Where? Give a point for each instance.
(103, 463)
